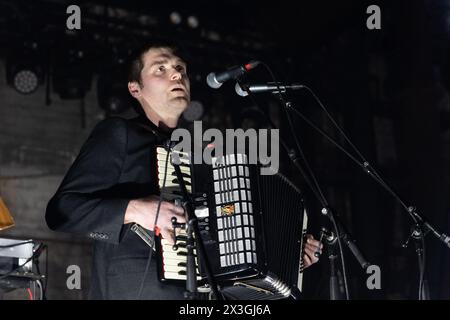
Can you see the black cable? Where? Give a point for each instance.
(366, 165)
(154, 227)
(16, 269)
(422, 266)
(16, 244)
(374, 174)
(44, 286)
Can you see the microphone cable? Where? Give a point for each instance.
(154, 226)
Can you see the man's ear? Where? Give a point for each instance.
(135, 89)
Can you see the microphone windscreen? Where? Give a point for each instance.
(212, 81)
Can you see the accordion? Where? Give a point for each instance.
(252, 227)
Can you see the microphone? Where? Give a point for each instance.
(268, 87)
(215, 80)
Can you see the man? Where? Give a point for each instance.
(113, 182)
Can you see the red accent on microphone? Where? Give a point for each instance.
(30, 294)
(157, 231)
(248, 66)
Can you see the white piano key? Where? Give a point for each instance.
(243, 196)
(241, 257)
(250, 210)
(175, 268)
(240, 158)
(249, 257)
(219, 223)
(166, 243)
(162, 166)
(246, 232)
(238, 219)
(218, 200)
(249, 195)
(250, 218)
(240, 245)
(233, 172)
(177, 276)
(245, 219)
(220, 236)
(248, 245)
(221, 248)
(169, 252)
(237, 207)
(175, 255)
(235, 195)
(173, 259)
(223, 261)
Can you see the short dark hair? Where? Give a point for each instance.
(137, 62)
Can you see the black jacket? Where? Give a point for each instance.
(116, 164)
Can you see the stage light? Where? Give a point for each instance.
(175, 18)
(24, 67)
(25, 81)
(192, 22)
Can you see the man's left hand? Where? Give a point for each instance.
(311, 246)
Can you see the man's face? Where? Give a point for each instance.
(165, 86)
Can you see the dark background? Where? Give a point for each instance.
(388, 89)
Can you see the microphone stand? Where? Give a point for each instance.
(191, 273)
(314, 188)
(421, 226)
(344, 235)
(330, 240)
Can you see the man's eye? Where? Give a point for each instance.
(180, 68)
(161, 68)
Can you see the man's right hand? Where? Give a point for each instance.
(143, 212)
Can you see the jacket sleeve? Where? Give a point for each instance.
(85, 202)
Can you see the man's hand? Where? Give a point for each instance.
(311, 246)
(143, 212)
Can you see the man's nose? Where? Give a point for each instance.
(176, 75)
